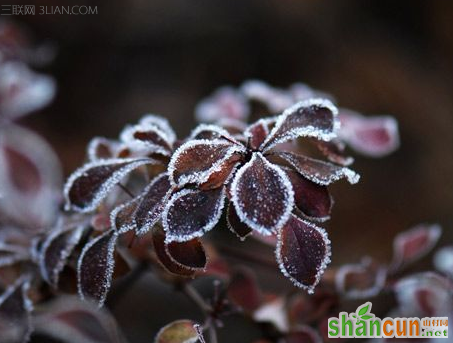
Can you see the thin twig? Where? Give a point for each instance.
(193, 295)
(212, 333)
(126, 190)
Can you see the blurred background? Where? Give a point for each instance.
(377, 57)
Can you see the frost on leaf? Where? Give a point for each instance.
(101, 148)
(95, 267)
(179, 331)
(424, 295)
(226, 102)
(30, 178)
(192, 213)
(303, 252)
(413, 244)
(190, 254)
(320, 172)
(161, 123)
(374, 136)
(312, 199)
(210, 132)
(23, 91)
(163, 256)
(257, 133)
(152, 203)
(55, 252)
(90, 184)
(147, 137)
(195, 161)
(262, 195)
(311, 118)
(334, 151)
(70, 320)
(122, 216)
(360, 281)
(15, 313)
(236, 225)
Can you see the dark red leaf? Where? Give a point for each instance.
(303, 252)
(195, 161)
(320, 172)
(413, 244)
(89, 185)
(311, 118)
(189, 254)
(360, 281)
(95, 267)
(160, 247)
(334, 151)
(244, 291)
(257, 133)
(235, 225)
(101, 148)
(191, 213)
(147, 137)
(122, 216)
(312, 199)
(262, 195)
(210, 132)
(56, 250)
(152, 203)
(15, 312)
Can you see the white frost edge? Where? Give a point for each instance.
(133, 163)
(209, 128)
(434, 233)
(230, 227)
(342, 172)
(127, 136)
(308, 131)
(169, 238)
(73, 240)
(109, 270)
(310, 289)
(92, 145)
(179, 264)
(286, 184)
(203, 175)
(162, 123)
(119, 208)
(343, 271)
(265, 122)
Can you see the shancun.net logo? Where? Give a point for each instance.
(364, 324)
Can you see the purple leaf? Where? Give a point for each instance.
(192, 213)
(147, 137)
(95, 267)
(362, 280)
(15, 313)
(311, 118)
(375, 136)
(72, 321)
(210, 132)
(101, 148)
(257, 133)
(195, 161)
(236, 225)
(122, 216)
(90, 184)
(161, 123)
(413, 244)
(56, 250)
(262, 195)
(152, 203)
(303, 252)
(320, 172)
(190, 254)
(244, 291)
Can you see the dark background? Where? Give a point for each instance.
(378, 57)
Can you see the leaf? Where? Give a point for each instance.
(313, 200)
(90, 184)
(334, 151)
(320, 172)
(374, 136)
(225, 102)
(303, 252)
(101, 148)
(364, 309)
(30, 178)
(310, 118)
(15, 313)
(210, 132)
(152, 203)
(56, 250)
(179, 331)
(262, 195)
(95, 267)
(161, 123)
(70, 320)
(23, 91)
(162, 253)
(413, 244)
(244, 291)
(147, 137)
(275, 99)
(190, 254)
(257, 133)
(236, 225)
(191, 213)
(195, 161)
(122, 216)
